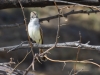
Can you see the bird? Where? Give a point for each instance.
(35, 32)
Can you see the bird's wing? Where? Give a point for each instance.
(41, 34)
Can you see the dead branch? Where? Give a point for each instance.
(12, 25)
(75, 44)
(57, 36)
(73, 61)
(42, 54)
(53, 17)
(22, 8)
(5, 70)
(77, 55)
(4, 4)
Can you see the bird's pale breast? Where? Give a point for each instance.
(34, 33)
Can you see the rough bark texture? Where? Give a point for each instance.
(4, 4)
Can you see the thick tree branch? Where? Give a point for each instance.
(53, 17)
(4, 4)
(5, 70)
(75, 44)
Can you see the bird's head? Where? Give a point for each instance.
(33, 14)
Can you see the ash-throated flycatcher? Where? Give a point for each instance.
(35, 31)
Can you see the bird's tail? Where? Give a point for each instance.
(42, 58)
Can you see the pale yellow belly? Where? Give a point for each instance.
(34, 33)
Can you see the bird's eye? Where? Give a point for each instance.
(32, 17)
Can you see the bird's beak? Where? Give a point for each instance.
(33, 14)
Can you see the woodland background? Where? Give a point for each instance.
(88, 25)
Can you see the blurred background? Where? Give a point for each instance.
(88, 25)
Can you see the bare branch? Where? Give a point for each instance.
(70, 13)
(73, 61)
(57, 35)
(12, 25)
(6, 70)
(41, 3)
(53, 17)
(4, 4)
(75, 44)
(77, 53)
(22, 8)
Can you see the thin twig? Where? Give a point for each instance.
(31, 65)
(71, 71)
(77, 54)
(16, 47)
(77, 72)
(27, 35)
(21, 60)
(26, 29)
(73, 61)
(57, 36)
(64, 66)
(47, 51)
(25, 22)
